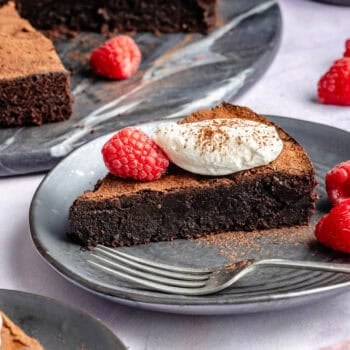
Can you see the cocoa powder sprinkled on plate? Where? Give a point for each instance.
(275, 243)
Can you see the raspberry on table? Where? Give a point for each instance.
(338, 183)
(347, 48)
(333, 229)
(117, 58)
(334, 86)
(133, 154)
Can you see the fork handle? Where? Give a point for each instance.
(308, 265)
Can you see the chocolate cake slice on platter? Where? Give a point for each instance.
(34, 85)
(181, 204)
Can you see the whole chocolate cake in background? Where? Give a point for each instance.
(165, 16)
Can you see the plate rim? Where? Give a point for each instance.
(126, 295)
(73, 308)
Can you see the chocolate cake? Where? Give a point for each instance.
(180, 204)
(123, 16)
(34, 85)
(13, 338)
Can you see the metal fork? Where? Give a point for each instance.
(190, 281)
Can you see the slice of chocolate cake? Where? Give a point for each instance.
(184, 205)
(124, 16)
(13, 338)
(34, 85)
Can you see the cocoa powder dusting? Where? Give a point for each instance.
(214, 136)
(293, 242)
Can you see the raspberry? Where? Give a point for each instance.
(347, 48)
(132, 154)
(338, 183)
(118, 58)
(333, 229)
(334, 86)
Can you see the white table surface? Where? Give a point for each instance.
(313, 37)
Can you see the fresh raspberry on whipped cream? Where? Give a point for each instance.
(130, 153)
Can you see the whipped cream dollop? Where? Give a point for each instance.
(219, 146)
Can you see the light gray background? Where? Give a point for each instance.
(313, 37)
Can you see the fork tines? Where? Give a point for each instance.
(145, 272)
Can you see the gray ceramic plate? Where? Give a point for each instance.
(264, 290)
(335, 2)
(57, 326)
(179, 73)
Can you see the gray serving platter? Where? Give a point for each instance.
(266, 289)
(179, 74)
(335, 2)
(56, 325)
